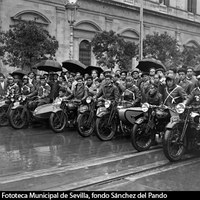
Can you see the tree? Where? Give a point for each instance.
(110, 49)
(26, 43)
(162, 47)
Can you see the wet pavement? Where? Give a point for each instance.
(38, 159)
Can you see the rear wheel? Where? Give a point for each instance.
(85, 128)
(173, 148)
(104, 131)
(4, 121)
(17, 120)
(140, 138)
(58, 121)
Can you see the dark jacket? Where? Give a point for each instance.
(155, 99)
(194, 97)
(79, 92)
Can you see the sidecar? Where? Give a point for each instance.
(44, 111)
(130, 115)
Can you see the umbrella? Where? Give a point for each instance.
(74, 66)
(145, 64)
(18, 72)
(89, 69)
(197, 70)
(48, 66)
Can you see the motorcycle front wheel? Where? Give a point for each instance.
(85, 129)
(58, 121)
(172, 146)
(17, 121)
(4, 121)
(104, 131)
(140, 139)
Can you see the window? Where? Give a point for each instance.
(192, 6)
(165, 2)
(85, 52)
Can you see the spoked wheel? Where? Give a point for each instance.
(141, 139)
(86, 125)
(4, 121)
(172, 146)
(58, 121)
(18, 119)
(104, 131)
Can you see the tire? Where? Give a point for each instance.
(104, 132)
(4, 121)
(173, 153)
(83, 129)
(58, 121)
(16, 120)
(140, 140)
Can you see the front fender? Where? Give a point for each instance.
(56, 109)
(16, 106)
(173, 121)
(140, 120)
(101, 111)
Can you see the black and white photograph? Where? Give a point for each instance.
(99, 98)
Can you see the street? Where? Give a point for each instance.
(38, 159)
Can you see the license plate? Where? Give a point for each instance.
(175, 118)
(16, 104)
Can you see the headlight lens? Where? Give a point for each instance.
(107, 103)
(88, 100)
(180, 108)
(145, 107)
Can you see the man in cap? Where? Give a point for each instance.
(3, 85)
(80, 92)
(55, 86)
(194, 97)
(183, 82)
(13, 89)
(123, 76)
(136, 77)
(27, 88)
(160, 72)
(174, 94)
(108, 91)
(90, 85)
(152, 72)
(42, 94)
(144, 86)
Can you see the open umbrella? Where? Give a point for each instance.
(145, 64)
(48, 66)
(74, 66)
(18, 72)
(90, 68)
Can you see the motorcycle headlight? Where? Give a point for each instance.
(88, 100)
(107, 103)
(145, 107)
(180, 108)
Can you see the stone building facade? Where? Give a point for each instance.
(180, 18)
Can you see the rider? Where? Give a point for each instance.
(12, 89)
(132, 92)
(194, 97)
(27, 88)
(108, 91)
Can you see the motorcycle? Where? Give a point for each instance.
(182, 133)
(19, 115)
(64, 114)
(149, 129)
(5, 110)
(86, 117)
(112, 118)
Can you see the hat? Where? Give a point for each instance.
(145, 73)
(79, 78)
(89, 77)
(170, 77)
(198, 77)
(1, 75)
(160, 69)
(42, 77)
(182, 70)
(107, 71)
(25, 77)
(190, 67)
(135, 70)
(108, 76)
(124, 71)
(10, 77)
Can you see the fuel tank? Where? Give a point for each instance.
(130, 114)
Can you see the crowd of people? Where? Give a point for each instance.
(155, 87)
